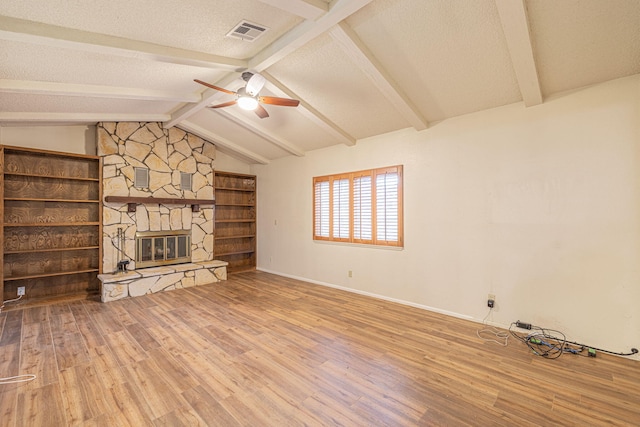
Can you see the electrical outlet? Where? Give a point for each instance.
(20, 291)
(350, 273)
(491, 300)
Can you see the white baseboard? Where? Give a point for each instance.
(370, 294)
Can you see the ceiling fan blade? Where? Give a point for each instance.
(261, 112)
(255, 84)
(224, 104)
(284, 102)
(221, 89)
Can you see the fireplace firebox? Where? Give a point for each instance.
(156, 248)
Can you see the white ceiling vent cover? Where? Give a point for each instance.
(247, 31)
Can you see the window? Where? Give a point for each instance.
(359, 207)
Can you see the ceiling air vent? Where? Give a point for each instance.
(247, 31)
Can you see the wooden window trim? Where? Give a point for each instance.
(351, 176)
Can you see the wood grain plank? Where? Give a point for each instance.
(83, 394)
(38, 354)
(8, 403)
(125, 348)
(106, 366)
(154, 388)
(70, 350)
(41, 406)
(12, 329)
(208, 410)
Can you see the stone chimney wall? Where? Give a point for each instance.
(165, 152)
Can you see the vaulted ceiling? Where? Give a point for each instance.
(359, 67)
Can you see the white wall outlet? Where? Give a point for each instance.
(20, 291)
(350, 273)
(491, 296)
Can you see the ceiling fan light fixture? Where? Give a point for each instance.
(247, 103)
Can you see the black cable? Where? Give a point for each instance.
(545, 344)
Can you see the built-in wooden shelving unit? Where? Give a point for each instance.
(235, 220)
(51, 223)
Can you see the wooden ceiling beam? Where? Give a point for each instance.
(307, 9)
(207, 98)
(340, 10)
(93, 91)
(76, 118)
(515, 25)
(305, 32)
(366, 61)
(50, 35)
(262, 132)
(308, 111)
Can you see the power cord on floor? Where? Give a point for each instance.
(542, 343)
(495, 333)
(9, 300)
(552, 344)
(18, 378)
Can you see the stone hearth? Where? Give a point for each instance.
(157, 279)
(167, 154)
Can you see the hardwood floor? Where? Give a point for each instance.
(262, 350)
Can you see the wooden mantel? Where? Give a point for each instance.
(133, 202)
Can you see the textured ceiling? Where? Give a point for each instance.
(359, 67)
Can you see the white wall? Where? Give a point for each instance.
(67, 139)
(226, 163)
(539, 206)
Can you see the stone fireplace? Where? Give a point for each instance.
(161, 231)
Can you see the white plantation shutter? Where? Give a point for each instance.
(362, 209)
(387, 207)
(321, 209)
(341, 211)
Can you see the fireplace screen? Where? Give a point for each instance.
(154, 248)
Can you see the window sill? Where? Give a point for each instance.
(359, 245)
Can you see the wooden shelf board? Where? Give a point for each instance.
(49, 224)
(248, 251)
(35, 175)
(243, 236)
(59, 273)
(33, 199)
(250, 190)
(83, 248)
(12, 149)
(251, 205)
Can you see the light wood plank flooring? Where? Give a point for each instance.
(262, 350)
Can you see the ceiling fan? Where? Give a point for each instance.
(248, 97)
